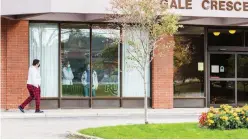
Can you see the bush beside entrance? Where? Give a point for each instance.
(225, 117)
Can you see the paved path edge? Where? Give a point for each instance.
(82, 136)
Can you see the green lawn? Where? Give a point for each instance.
(163, 131)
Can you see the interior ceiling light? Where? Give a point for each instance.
(232, 31)
(216, 33)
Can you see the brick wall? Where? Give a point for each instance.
(162, 77)
(3, 61)
(14, 62)
(14, 68)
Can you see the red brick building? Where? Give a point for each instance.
(206, 67)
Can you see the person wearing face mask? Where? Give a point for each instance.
(33, 85)
(85, 79)
(67, 75)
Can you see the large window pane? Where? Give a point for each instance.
(225, 37)
(242, 66)
(242, 93)
(246, 38)
(133, 83)
(43, 43)
(189, 62)
(222, 92)
(105, 61)
(75, 57)
(222, 65)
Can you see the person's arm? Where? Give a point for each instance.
(71, 75)
(39, 77)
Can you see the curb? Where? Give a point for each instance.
(82, 136)
(32, 115)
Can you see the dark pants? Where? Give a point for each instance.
(87, 91)
(34, 93)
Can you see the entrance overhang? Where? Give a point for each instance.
(192, 12)
(214, 21)
(60, 17)
(27, 7)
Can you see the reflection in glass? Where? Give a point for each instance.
(222, 92)
(44, 43)
(222, 65)
(75, 49)
(242, 92)
(242, 66)
(86, 82)
(225, 38)
(67, 75)
(105, 60)
(189, 62)
(133, 83)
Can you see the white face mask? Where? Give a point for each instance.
(69, 66)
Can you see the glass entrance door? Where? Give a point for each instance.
(242, 79)
(228, 78)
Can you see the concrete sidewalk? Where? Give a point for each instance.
(63, 113)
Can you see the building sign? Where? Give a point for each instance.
(191, 8)
(225, 5)
(209, 8)
(222, 5)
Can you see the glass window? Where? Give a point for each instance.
(105, 60)
(43, 43)
(242, 66)
(246, 39)
(133, 83)
(225, 37)
(75, 58)
(222, 92)
(189, 62)
(242, 93)
(222, 66)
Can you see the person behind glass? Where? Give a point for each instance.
(33, 85)
(67, 75)
(86, 82)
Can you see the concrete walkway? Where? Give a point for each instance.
(57, 124)
(12, 114)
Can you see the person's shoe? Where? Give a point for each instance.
(39, 111)
(21, 109)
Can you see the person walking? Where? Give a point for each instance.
(33, 85)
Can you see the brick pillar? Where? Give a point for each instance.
(3, 64)
(15, 59)
(162, 78)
